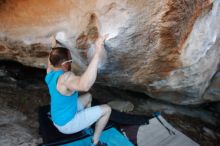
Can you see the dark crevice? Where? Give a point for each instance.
(15, 73)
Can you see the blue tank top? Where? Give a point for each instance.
(63, 108)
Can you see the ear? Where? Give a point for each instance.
(63, 65)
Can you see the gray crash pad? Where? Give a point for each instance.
(155, 134)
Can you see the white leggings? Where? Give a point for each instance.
(83, 119)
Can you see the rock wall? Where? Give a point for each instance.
(166, 49)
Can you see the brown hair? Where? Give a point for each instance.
(58, 55)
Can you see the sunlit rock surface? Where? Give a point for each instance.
(166, 49)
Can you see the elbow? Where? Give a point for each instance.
(85, 88)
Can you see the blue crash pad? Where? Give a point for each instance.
(112, 137)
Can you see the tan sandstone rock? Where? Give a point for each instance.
(167, 49)
(122, 106)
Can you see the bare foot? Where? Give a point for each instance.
(95, 141)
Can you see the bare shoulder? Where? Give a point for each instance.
(67, 76)
(69, 81)
(64, 81)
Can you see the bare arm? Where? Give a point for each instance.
(49, 66)
(53, 44)
(89, 76)
(85, 82)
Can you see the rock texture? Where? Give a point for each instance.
(122, 106)
(166, 49)
(213, 91)
(13, 130)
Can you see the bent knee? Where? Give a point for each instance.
(106, 108)
(88, 96)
